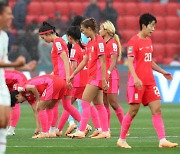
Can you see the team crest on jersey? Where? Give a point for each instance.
(28, 94)
(20, 89)
(58, 45)
(130, 49)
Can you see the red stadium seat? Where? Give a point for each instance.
(102, 5)
(131, 9)
(167, 61)
(11, 4)
(158, 9)
(172, 22)
(76, 7)
(34, 8)
(131, 23)
(171, 9)
(144, 8)
(171, 36)
(119, 7)
(42, 18)
(127, 34)
(48, 8)
(171, 50)
(120, 23)
(158, 53)
(62, 7)
(158, 36)
(160, 25)
(30, 18)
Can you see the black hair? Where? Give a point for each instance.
(2, 6)
(75, 33)
(146, 19)
(77, 20)
(46, 26)
(91, 22)
(13, 97)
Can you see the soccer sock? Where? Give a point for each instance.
(125, 126)
(50, 117)
(55, 115)
(120, 114)
(43, 119)
(95, 117)
(103, 117)
(15, 115)
(85, 115)
(2, 140)
(158, 125)
(109, 115)
(63, 119)
(71, 109)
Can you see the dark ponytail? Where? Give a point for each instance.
(47, 28)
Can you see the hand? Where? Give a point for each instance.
(105, 85)
(20, 61)
(69, 85)
(70, 78)
(138, 83)
(168, 76)
(30, 66)
(37, 131)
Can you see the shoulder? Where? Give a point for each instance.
(3, 34)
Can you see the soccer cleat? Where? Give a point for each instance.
(58, 132)
(123, 144)
(167, 144)
(10, 132)
(87, 130)
(78, 134)
(95, 133)
(70, 129)
(41, 135)
(102, 135)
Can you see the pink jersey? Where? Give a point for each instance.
(111, 48)
(77, 54)
(14, 77)
(59, 46)
(141, 50)
(95, 48)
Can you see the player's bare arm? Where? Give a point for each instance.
(33, 89)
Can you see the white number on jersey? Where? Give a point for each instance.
(73, 52)
(44, 93)
(58, 45)
(156, 91)
(148, 57)
(114, 47)
(101, 47)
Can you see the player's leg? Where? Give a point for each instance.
(15, 115)
(155, 107)
(107, 106)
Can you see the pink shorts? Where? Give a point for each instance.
(113, 86)
(56, 90)
(147, 94)
(97, 83)
(77, 92)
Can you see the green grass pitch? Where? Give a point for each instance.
(142, 137)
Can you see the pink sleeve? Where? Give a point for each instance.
(100, 48)
(59, 47)
(74, 55)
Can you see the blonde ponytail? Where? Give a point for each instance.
(116, 37)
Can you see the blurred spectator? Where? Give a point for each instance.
(18, 50)
(109, 13)
(93, 10)
(164, 1)
(146, 0)
(176, 61)
(44, 52)
(60, 24)
(19, 13)
(11, 38)
(30, 42)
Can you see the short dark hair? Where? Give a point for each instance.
(46, 27)
(2, 6)
(13, 97)
(146, 19)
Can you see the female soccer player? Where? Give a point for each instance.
(141, 84)
(61, 65)
(113, 46)
(42, 93)
(14, 77)
(77, 53)
(96, 79)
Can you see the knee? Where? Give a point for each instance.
(156, 111)
(133, 113)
